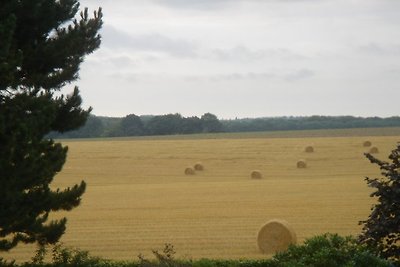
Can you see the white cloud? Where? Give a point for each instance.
(299, 75)
(136, 43)
(245, 57)
(195, 4)
(242, 53)
(288, 76)
(381, 50)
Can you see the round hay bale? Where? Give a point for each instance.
(189, 171)
(309, 149)
(373, 150)
(367, 143)
(301, 164)
(199, 166)
(256, 174)
(275, 236)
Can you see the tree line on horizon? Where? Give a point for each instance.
(174, 124)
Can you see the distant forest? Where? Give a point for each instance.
(172, 124)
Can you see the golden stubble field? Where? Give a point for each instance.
(138, 197)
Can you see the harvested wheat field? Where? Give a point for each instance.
(138, 197)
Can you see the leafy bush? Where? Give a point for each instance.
(329, 250)
(163, 259)
(381, 230)
(62, 256)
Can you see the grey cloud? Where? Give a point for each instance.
(128, 77)
(218, 4)
(288, 77)
(116, 39)
(381, 50)
(241, 76)
(242, 53)
(239, 53)
(106, 61)
(134, 77)
(298, 75)
(298, 1)
(196, 4)
(122, 60)
(229, 77)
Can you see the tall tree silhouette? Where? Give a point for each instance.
(42, 44)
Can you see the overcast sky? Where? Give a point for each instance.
(245, 58)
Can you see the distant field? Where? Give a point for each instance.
(138, 197)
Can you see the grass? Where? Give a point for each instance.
(138, 197)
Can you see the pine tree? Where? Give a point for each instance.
(42, 44)
(381, 230)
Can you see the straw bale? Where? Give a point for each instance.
(301, 164)
(256, 174)
(189, 171)
(199, 166)
(373, 150)
(367, 143)
(275, 236)
(309, 149)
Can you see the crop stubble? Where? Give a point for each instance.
(138, 197)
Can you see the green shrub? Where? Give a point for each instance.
(329, 250)
(65, 257)
(381, 230)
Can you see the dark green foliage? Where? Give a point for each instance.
(62, 256)
(131, 125)
(27, 166)
(42, 54)
(233, 263)
(93, 127)
(166, 259)
(307, 123)
(329, 250)
(382, 228)
(169, 124)
(163, 259)
(210, 123)
(191, 125)
(164, 125)
(39, 55)
(112, 126)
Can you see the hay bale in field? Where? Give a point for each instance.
(309, 149)
(301, 164)
(367, 143)
(275, 236)
(189, 171)
(256, 174)
(373, 150)
(199, 166)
